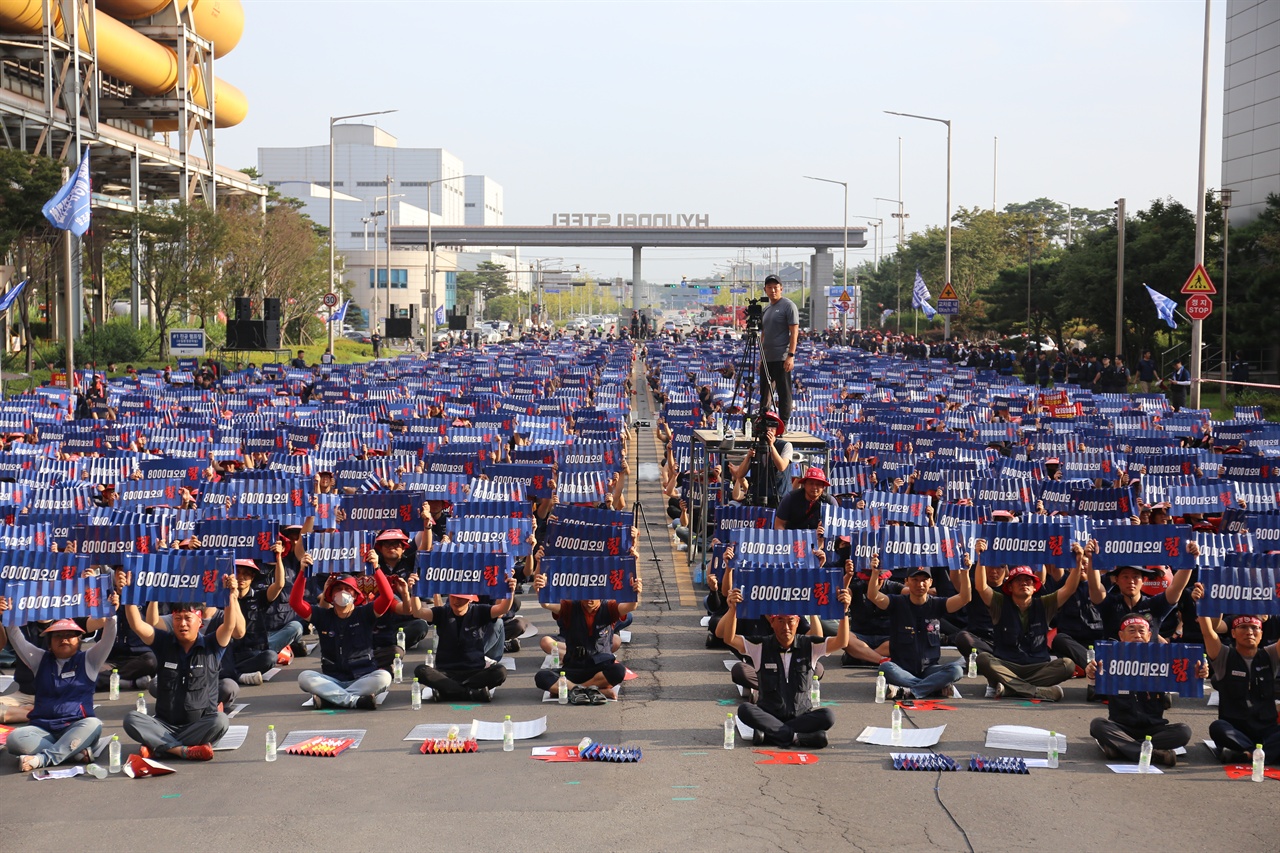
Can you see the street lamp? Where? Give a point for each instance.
(373, 316)
(332, 228)
(1031, 244)
(1224, 195)
(876, 222)
(946, 318)
(844, 260)
(902, 221)
(431, 248)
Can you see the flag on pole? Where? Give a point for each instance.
(341, 314)
(69, 207)
(920, 297)
(6, 301)
(884, 315)
(1164, 307)
(440, 315)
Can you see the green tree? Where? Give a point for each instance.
(489, 278)
(27, 181)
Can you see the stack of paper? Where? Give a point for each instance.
(910, 737)
(1023, 739)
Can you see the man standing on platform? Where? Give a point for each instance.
(779, 334)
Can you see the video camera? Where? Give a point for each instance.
(754, 313)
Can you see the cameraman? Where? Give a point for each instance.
(779, 334)
(770, 482)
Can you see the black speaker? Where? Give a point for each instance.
(457, 322)
(271, 333)
(244, 308)
(244, 334)
(400, 328)
(271, 310)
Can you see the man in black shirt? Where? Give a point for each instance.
(461, 670)
(801, 509)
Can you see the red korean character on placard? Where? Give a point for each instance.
(947, 547)
(1180, 666)
(483, 453)
(67, 573)
(1172, 546)
(469, 468)
(193, 473)
(210, 581)
(170, 493)
(915, 509)
(142, 545)
(406, 512)
(608, 457)
(1187, 468)
(453, 487)
(365, 548)
(295, 497)
(1123, 503)
(264, 541)
(536, 481)
(322, 510)
(1265, 471)
(822, 593)
(491, 575)
(798, 548)
(1225, 497)
(615, 579)
(93, 596)
(1055, 546)
(513, 536)
(611, 545)
(1106, 466)
(38, 538)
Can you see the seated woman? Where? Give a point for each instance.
(588, 631)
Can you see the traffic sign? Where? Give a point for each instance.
(845, 297)
(1199, 306)
(331, 300)
(949, 307)
(1199, 282)
(948, 292)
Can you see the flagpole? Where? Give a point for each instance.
(67, 301)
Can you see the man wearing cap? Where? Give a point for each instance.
(785, 665)
(801, 509)
(587, 630)
(1132, 717)
(397, 556)
(349, 676)
(187, 722)
(257, 649)
(767, 491)
(1020, 663)
(461, 670)
(914, 669)
(1244, 674)
(779, 335)
(1126, 595)
(62, 723)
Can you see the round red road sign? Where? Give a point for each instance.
(331, 300)
(1199, 306)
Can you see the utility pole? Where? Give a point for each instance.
(1119, 275)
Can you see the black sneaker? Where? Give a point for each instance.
(318, 704)
(478, 694)
(367, 703)
(298, 648)
(512, 646)
(757, 737)
(812, 740)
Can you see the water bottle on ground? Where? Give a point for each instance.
(431, 658)
(555, 656)
(1053, 749)
(1144, 757)
(397, 670)
(271, 743)
(729, 733)
(1259, 762)
(141, 705)
(113, 754)
(882, 687)
(96, 771)
(973, 664)
(896, 723)
(415, 696)
(815, 691)
(508, 734)
(563, 689)
(114, 693)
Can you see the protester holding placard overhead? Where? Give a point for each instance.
(1134, 716)
(188, 721)
(587, 630)
(1020, 663)
(1125, 596)
(1244, 674)
(349, 676)
(396, 555)
(254, 653)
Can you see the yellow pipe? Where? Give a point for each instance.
(150, 67)
(219, 21)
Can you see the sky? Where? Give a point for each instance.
(720, 108)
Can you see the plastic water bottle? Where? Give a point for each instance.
(96, 771)
(815, 691)
(729, 733)
(431, 658)
(400, 640)
(1090, 657)
(1053, 749)
(114, 685)
(271, 743)
(746, 430)
(141, 706)
(555, 656)
(415, 696)
(896, 723)
(882, 687)
(113, 754)
(508, 734)
(1144, 757)
(1259, 760)
(973, 663)
(563, 688)
(397, 670)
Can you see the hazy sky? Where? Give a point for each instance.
(720, 108)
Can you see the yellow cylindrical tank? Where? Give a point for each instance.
(219, 21)
(150, 67)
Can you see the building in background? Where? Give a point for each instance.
(1251, 106)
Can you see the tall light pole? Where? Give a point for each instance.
(373, 315)
(844, 260)
(332, 227)
(876, 222)
(902, 222)
(1225, 195)
(946, 319)
(431, 246)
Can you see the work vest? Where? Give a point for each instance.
(346, 645)
(1247, 691)
(785, 695)
(254, 607)
(187, 684)
(588, 645)
(915, 642)
(462, 639)
(1015, 645)
(64, 697)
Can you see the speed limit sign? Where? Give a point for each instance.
(331, 300)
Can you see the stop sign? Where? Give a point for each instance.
(1199, 306)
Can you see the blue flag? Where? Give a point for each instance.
(1164, 307)
(68, 210)
(341, 314)
(440, 314)
(920, 297)
(6, 301)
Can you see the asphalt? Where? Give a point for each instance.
(687, 791)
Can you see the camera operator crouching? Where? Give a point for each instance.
(766, 468)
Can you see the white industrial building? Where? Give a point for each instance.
(1251, 107)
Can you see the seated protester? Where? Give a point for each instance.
(284, 628)
(62, 723)
(1244, 674)
(462, 671)
(801, 509)
(133, 660)
(396, 556)
(979, 633)
(187, 722)
(1079, 624)
(587, 628)
(1126, 595)
(778, 468)
(869, 626)
(785, 662)
(349, 677)
(914, 670)
(254, 653)
(1020, 663)
(1132, 717)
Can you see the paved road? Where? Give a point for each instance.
(688, 792)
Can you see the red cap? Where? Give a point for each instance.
(247, 564)
(773, 416)
(63, 625)
(1021, 572)
(464, 597)
(343, 581)
(816, 475)
(395, 534)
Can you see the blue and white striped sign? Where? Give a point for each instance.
(766, 547)
(509, 535)
(1142, 545)
(46, 601)
(909, 547)
(587, 578)
(178, 577)
(775, 590)
(463, 573)
(1248, 583)
(1148, 668)
(338, 553)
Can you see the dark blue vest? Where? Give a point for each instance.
(587, 646)
(461, 638)
(785, 695)
(187, 684)
(62, 698)
(346, 645)
(1015, 645)
(1248, 700)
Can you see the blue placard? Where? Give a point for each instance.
(1104, 503)
(338, 553)
(776, 590)
(38, 566)
(605, 540)
(1246, 584)
(1028, 543)
(509, 535)
(248, 538)
(1211, 498)
(587, 578)
(768, 547)
(463, 573)
(178, 577)
(1142, 545)
(1148, 668)
(115, 539)
(910, 547)
(45, 601)
(379, 510)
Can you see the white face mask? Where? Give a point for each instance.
(343, 599)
